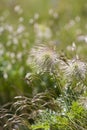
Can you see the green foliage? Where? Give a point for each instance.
(25, 23)
(55, 102)
(43, 65)
(72, 120)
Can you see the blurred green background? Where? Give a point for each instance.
(24, 23)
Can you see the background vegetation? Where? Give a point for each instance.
(43, 48)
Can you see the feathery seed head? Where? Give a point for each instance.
(76, 69)
(45, 58)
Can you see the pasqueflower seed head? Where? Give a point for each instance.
(44, 57)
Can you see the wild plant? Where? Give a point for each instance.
(59, 94)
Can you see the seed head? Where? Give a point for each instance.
(45, 58)
(75, 69)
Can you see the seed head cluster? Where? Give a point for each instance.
(76, 69)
